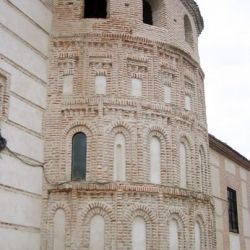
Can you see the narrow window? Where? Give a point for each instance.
(59, 230)
(120, 158)
(188, 104)
(201, 166)
(155, 160)
(95, 9)
(136, 87)
(139, 234)
(147, 13)
(100, 85)
(197, 234)
(188, 31)
(167, 94)
(183, 165)
(173, 235)
(79, 156)
(232, 211)
(97, 237)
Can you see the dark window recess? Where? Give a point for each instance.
(79, 156)
(147, 13)
(95, 9)
(232, 210)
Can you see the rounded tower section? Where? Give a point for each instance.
(126, 135)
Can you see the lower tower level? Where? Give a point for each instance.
(126, 144)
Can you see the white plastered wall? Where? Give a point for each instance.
(24, 31)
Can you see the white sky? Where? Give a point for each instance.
(225, 58)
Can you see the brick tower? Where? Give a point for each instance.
(126, 143)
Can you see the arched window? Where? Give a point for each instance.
(139, 234)
(183, 165)
(59, 230)
(188, 31)
(197, 233)
(95, 8)
(119, 158)
(97, 236)
(155, 160)
(147, 13)
(79, 156)
(173, 235)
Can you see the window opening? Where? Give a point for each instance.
(79, 156)
(147, 13)
(232, 211)
(95, 9)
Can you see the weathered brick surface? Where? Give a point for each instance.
(122, 47)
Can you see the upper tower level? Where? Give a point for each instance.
(175, 22)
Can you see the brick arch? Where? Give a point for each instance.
(85, 216)
(140, 210)
(181, 217)
(199, 218)
(78, 126)
(117, 124)
(113, 129)
(186, 139)
(162, 134)
(52, 212)
(69, 132)
(159, 129)
(60, 205)
(97, 206)
(178, 213)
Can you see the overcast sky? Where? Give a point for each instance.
(225, 58)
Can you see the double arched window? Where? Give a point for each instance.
(79, 156)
